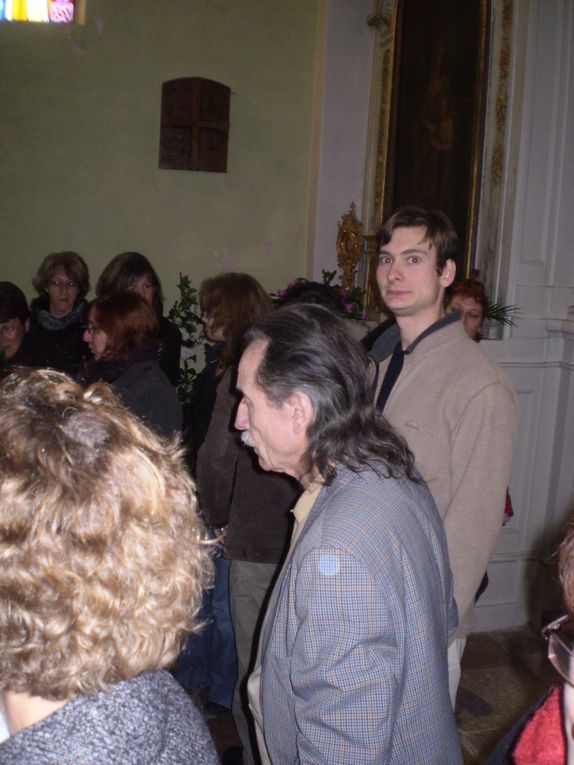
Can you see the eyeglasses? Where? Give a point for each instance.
(91, 327)
(59, 285)
(560, 637)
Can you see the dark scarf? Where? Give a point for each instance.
(108, 370)
(40, 309)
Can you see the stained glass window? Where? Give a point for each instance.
(44, 11)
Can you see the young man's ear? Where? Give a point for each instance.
(448, 273)
(300, 410)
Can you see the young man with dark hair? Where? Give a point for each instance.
(455, 406)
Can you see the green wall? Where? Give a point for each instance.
(79, 139)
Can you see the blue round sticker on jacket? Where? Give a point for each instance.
(329, 564)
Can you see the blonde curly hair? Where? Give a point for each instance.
(102, 555)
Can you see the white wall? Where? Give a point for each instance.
(347, 84)
(79, 139)
(539, 352)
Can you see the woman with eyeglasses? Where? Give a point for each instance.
(132, 272)
(59, 311)
(121, 333)
(546, 735)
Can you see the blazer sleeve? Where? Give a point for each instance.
(346, 661)
(217, 457)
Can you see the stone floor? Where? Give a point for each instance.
(503, 674)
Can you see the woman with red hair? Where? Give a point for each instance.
(122, 335)
(469, 299)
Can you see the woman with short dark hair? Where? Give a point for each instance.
(58, 313)
(15, 347)
(122, 335)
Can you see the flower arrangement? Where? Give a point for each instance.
(347, 302)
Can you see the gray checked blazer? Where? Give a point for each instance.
(354, 648)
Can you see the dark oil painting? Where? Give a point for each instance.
(439, 108)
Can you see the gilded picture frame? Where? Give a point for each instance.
(432, 114)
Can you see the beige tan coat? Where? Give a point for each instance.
(457, 410)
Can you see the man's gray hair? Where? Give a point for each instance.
(309, 349)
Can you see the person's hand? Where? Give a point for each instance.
(221, 535)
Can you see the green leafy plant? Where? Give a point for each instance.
(503, 314)
(499, 312)
(186, 314)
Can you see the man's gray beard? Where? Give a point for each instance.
(247, 439)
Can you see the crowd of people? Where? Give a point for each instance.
(121, 337)
(334, 632)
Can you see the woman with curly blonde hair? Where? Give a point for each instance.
(102, 566)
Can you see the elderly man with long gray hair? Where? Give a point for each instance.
(353, 651)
